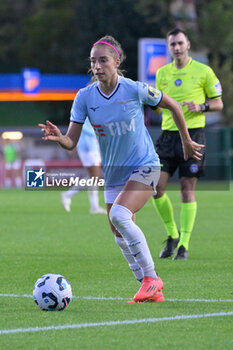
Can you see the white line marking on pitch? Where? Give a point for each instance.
(120, 298)
(113, 323)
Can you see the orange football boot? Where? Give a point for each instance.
(150, 286)
(157, 298)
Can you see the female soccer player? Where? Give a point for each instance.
(114, 106)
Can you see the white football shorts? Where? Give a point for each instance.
(146, 175)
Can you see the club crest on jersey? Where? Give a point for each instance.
(124, 104)
(178, 82)
(152, 92)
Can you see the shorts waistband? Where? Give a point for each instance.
(177, 131)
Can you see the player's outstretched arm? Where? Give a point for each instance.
(190, 147)
(53, 133)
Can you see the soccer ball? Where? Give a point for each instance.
(52, 292)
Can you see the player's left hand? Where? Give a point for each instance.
(192, 149)
(192, 106)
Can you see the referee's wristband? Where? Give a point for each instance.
(204, 107)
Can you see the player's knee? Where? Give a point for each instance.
(120, 215)
(121, 242)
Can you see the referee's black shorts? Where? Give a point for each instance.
(169, 149)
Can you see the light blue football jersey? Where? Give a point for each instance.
(87, 141)
(118, 120)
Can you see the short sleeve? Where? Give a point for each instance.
(78, 109)
(157, 80)
(149, 95)
(212, 85)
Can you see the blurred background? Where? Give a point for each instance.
(45, 45)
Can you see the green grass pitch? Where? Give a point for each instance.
(38, 237)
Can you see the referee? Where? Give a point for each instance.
(197, 89)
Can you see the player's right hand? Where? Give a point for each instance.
(51, 132)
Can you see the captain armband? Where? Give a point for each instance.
(156, 109)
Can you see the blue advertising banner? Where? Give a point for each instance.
(30, 85)
(152, 54)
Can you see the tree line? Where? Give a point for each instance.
(56, 35)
